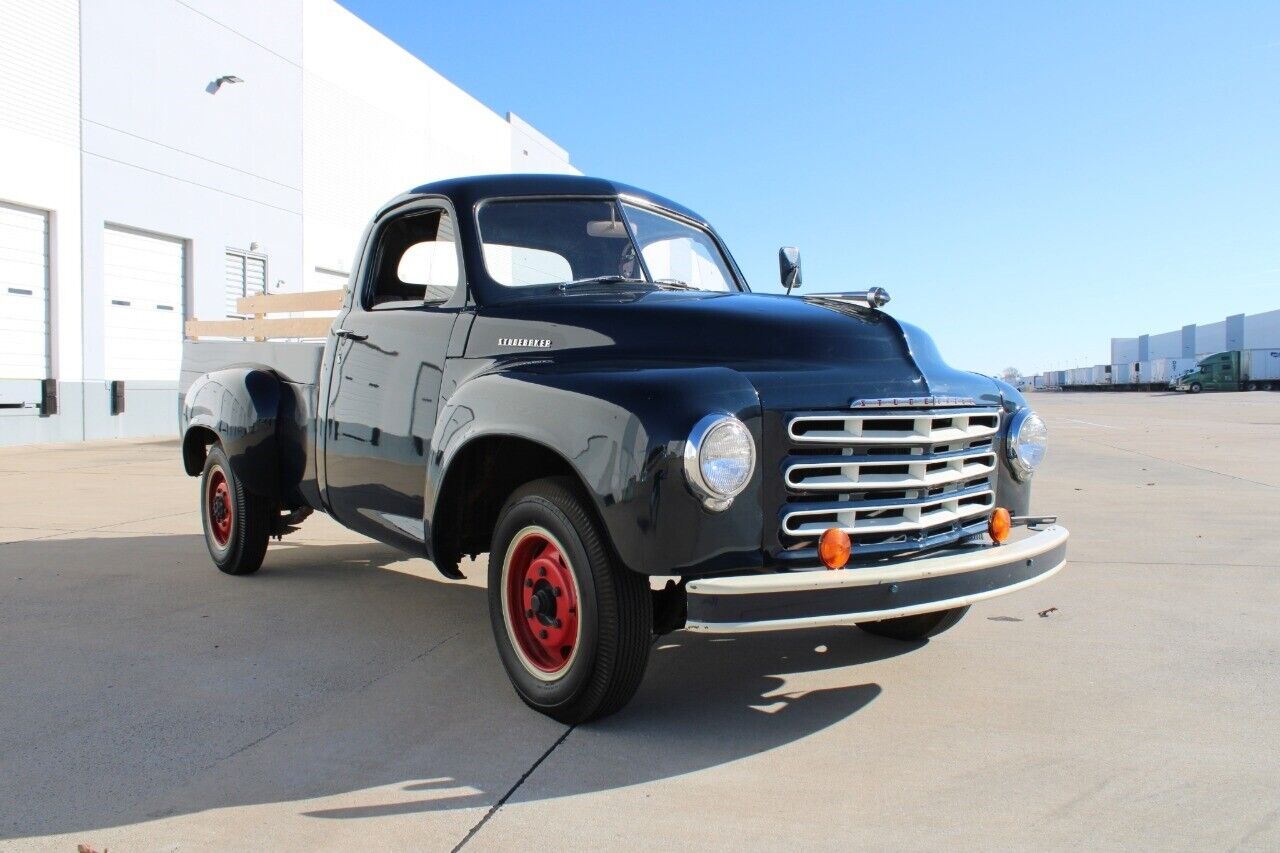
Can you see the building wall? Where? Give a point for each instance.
(163, 154)
(1262, 331)
(1124, 349)
(378, 122)
(1166, 345)
(531, 151)
(1238, 331)
(1211, 338)
(40, 169)
(111, 103)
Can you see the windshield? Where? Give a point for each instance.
(597, 241)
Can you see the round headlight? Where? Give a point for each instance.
(1028, 439)
(719, 459)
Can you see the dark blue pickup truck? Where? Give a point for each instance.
(572, 376)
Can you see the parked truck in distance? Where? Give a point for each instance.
(572, 376)
(1234, 370)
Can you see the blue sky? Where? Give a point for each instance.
(1027, 180)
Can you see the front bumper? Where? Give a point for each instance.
(923, 585)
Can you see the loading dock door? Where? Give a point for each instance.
(24, 293)
(144, 278)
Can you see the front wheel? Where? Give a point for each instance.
(1196, 387)
(922, 626)
(573, 628)
(237, 523)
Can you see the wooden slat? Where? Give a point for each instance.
(275, 303)
(300, 327)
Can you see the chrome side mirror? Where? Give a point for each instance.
(789, 267)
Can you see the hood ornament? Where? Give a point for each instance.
(911, 402)
(876, 297)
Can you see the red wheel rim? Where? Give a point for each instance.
(218, 507)
(541, 601)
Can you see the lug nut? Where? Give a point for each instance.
(528, 614)
(558, 592)
(543, 633)
(542, 573)
(528, 582)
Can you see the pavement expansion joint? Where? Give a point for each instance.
(471, 833)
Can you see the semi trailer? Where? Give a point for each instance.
(1234, 370)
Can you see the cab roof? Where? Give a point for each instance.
(467, 192)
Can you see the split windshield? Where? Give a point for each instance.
(572, 242)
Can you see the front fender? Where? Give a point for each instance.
(623, 433)
(1011, 493)
(242, 406)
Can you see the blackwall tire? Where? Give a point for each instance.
(913, 628)
(237, 523)
(548, 558)
(1196, 388)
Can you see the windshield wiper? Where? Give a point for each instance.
(674, 284)
(602, 279)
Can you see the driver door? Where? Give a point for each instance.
(388, 364)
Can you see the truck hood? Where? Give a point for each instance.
(800, 353)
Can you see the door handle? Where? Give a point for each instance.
(350, 335)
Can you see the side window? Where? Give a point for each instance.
(682, 259)
(417, 262)
(677, 251)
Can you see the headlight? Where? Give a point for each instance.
(719, 459)
(1028, 438)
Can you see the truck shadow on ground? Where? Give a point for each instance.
(140, 684)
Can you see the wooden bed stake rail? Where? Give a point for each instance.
(260, 328)
(316, 300)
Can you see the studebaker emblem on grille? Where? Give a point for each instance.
(538, 343)
(910, 402)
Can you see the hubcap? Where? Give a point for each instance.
(218, 507)
(540, 601)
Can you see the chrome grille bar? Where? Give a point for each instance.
(891, 516)
(894, 428)
(894, 478)
(921, 472)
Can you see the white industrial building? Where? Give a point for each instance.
(159, 158)
(1237, 332)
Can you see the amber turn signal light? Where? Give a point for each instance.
(1000, 525)
(834, 548)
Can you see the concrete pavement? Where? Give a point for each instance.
(347, 697)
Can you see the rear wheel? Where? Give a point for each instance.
(573, 628)
(1252, 386)
(237, 523)
(922, 626)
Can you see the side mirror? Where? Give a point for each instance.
(789, 267)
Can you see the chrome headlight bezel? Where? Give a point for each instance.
(714, 498)
(1024, 419)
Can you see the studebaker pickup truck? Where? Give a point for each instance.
(572, 376)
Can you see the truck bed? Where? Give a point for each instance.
(296, 362)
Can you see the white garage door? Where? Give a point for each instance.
(24, 293)
(144, 282)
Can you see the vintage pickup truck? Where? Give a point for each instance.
(572, 376)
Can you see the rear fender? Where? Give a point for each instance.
(241, 406)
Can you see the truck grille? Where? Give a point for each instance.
(894, 480)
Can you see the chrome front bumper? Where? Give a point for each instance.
(923, 585)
